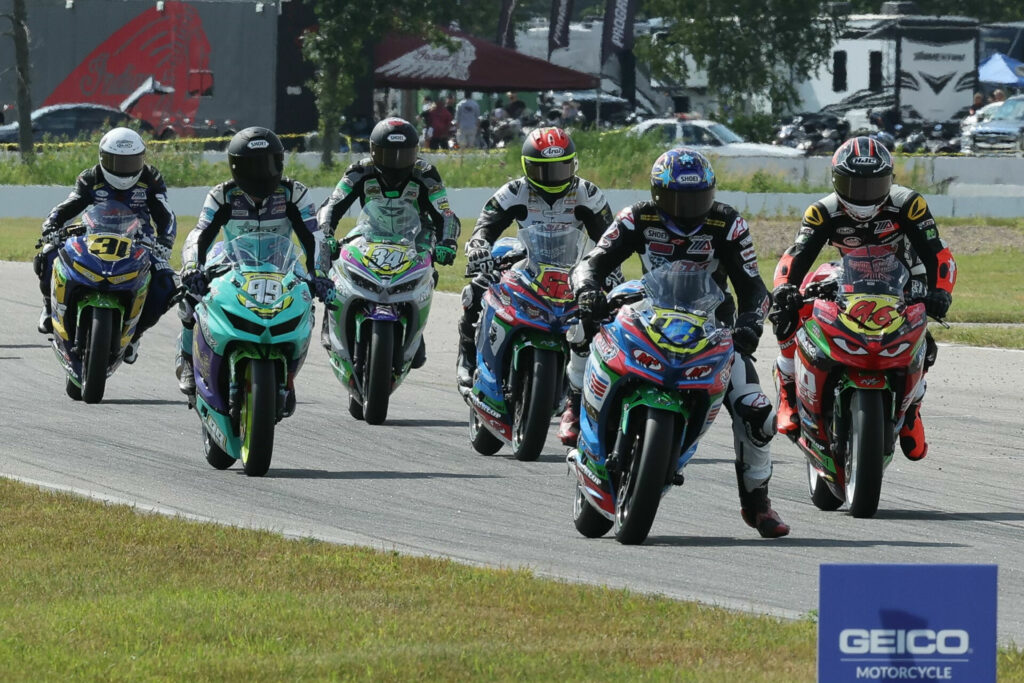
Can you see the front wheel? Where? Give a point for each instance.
(639, 491)
(97, 355)
(865, 460)
(589, 522)
(821, 494)
(480, 437)
(534, 404)
(378, 372)
(258, 416)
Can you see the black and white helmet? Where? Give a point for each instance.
(862, 176)
(256, 158)
(122, 157)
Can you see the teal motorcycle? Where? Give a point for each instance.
(251, 336)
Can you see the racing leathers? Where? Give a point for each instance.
(148, 200)
(582, 205)
(903, 223)
(286, 211)
(722, 242)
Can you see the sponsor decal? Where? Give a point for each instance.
(852, 241)
(748, 254)
(660, 248)
(688, 178)
(714, 222)
(585, 471)
(885, 227)
(396, 137)
(139, 194)
(739, 227)
(597, 383)
(751, 269)
(239, 213)
(656, 234)
(649, 216)
(747, 240)
(926, 223)
(647, 360)
(102, 194)
(605, 348)
(864, 161)
(845, 231)
(812, 216)
(258, 144)
(917, 209)
(552, 152)
(484, 407)
(700, 244)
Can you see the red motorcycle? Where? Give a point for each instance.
(860, 360)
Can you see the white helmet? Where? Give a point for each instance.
(122, 157)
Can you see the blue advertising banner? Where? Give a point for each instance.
(904, 622)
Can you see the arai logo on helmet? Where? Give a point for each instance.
(258, 144)
(396, 137)
(554, 151)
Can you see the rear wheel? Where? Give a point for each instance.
(639, 490)
(821, 494)
(355, 408)
(258, 416)
(377, 377)
(480, 437)
(535, 403)
(589, 522)
(215, 455)
(97, 355)
(73, 390)
(865, 457)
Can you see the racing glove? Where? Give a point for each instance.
(193, 279)
(936, 303)
(787, 298)
(323, 287)
(480, 259)
(444, 253)
(746, 334)
(52, 234)
(593, 304)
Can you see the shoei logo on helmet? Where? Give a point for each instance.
(396, 137)
(124, 144)
(258, 144)
(688, 178)
(550, 152)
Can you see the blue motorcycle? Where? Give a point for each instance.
(97, 290)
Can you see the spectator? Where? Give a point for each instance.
(499, 113)
(467, 121)
(999, 95)
(516, 106)
(978, 103)
(439, 121)
(449, 104)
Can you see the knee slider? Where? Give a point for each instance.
(758, 416)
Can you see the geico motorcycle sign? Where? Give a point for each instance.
(907, 623)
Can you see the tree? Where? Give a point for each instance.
(982, 10)
(19, 31)
(748, 48)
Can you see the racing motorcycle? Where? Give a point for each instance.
(97, 291)
(251, 336)
(861, 355)
(384, 284)
(522, 352)
(655, 381)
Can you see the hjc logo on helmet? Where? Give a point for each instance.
(864, 161)
(258, 144)
(550, 152)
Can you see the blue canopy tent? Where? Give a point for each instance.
(1001, 70)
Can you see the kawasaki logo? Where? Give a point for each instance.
(885, 641)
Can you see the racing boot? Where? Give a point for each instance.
(289, 398)
(756, 509)
(131, 351)
(912, 434)
(186, 377)
(420, 359)
(45, 325)
(786, 417)
(466, 362)
(569, 427)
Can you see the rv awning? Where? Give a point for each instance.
(1002, 70)
(409, 62)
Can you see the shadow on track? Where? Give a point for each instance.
(366, 474)
(421, 422)
(725, 541)
(141, 402)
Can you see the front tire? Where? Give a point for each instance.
(259, 416)
(377, 377)
(215, 455)
(639, 490)
(589, 522)
(480, 437)
(97, 355)
(821, 494)
(865, 456)
(534, 404)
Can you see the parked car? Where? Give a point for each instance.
(72, 121)
(710, 137)
(1003, 132)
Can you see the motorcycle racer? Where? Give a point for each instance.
(866, 208)
(394, 170)
(122, 175)
(683, 222)
(257, 198)
(549, 192)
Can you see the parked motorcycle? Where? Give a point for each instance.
(522, 352)
(251, 336)
(860, 360)
(98, 288)
(655, 380)
(385, 284)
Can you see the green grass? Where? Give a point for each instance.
(99, 592)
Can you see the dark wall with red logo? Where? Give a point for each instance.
(220, 57)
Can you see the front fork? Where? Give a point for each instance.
(238, 359)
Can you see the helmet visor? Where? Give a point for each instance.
(550, 173)
(393, 157)
(123, 165)
(862, 190)
(688, 206)
(257, 175)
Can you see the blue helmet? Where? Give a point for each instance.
(683, 186)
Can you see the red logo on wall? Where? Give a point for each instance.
(167, 45)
